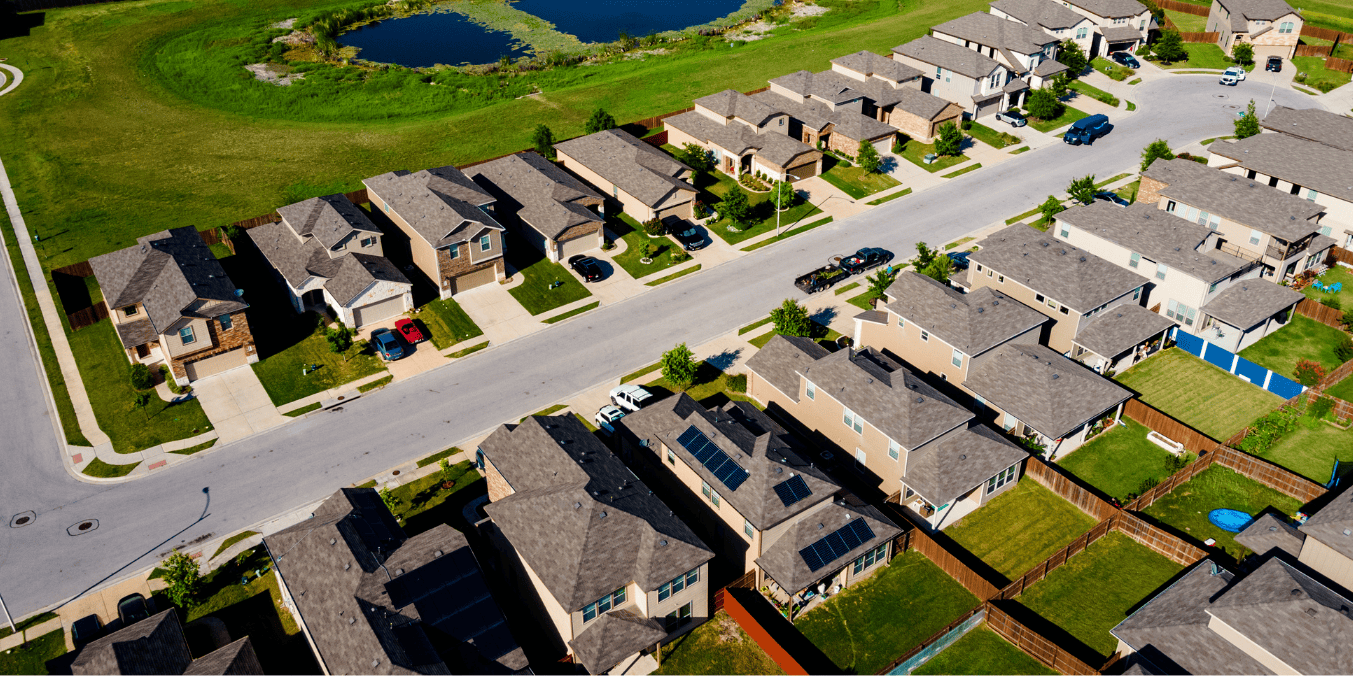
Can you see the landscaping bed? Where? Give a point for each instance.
(982, 651)
(1197, 393)
(718, 646)
(716, 184)
(1303, 338)
(1020, 528)
(855, 181)
(914, 151)
(1121, 463)
(627, 230)
(1185, 508)
(536, 292)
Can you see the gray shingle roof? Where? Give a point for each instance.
(1333, 524)
(783, 563)
(1314, 124)
(1258, 10)
(442, 205)
(1049, 68)
(237, 657)
(919, 103)
(346, 276)
(329, 219)
(1071, 276)
(774, 148)
(731, 103)
(747, 435)
(972, 322)
(1291, 158)
(944, 471)
(613, 637)
(1250, 301)
(828, 85)
(937, 52)
(816, 114)
(137, 332)
(1157, 235)
(1120, 33)
(1014, 86)
(634, 166)
(1245, 201)
(1110, 8)
(154, 645)
(870, 64)
(782, 361)
(1043, 388)
(551, 200)
(1270, 532)
(1120, 328)
(993, 31)
(581, 519)
(1045, 13)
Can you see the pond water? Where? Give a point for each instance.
(424, 40)
(603, 20)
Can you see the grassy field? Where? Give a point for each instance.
(982, 651)
(859, 628)
(1185, 509)
(546, 284)
(1302, 338)
(1019, 528)
(915, 152)
(1335, 275)
(1094, 590)
(1120, 461)
(1069, 116)
(856, 182)
(1197, 393)
(1187, 23)
(718, 646)
(1311, 449)
(1317, 75)
(447, 323)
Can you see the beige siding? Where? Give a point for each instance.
(737, 545)
(424, 256)
(477, 254)
(560, 618)
(202, 338)
(1325, 560)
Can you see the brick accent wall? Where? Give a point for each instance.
(451, 268)
(1149, 193)
(239, 336)
(497, 485)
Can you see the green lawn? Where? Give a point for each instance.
(991, 137)
(1069, 116)
(375, 384)
(447, 323)
(715, 186)
(233, 540)
(1120, 462)
(982, 651)
(1187, 23)
(675, 275)
(1201, 55)
(718, 646)
(1302, 338)
(1342, 389)
(900, 193)
(711, 387)
(1094, 93)
(31, 621)
(438, 456)
(421, 495)
(281, 376)
(1093, 591)
(32, 657)
(1317, 75)
(855, 181)
(468, 351)
(1311, 449)
(102, 470)
(790, 233)
(1185, 509)
(537, 292)
(914, 151)
(1114, 71)
(1197, 393)
(964, 170)
(1020, 528)
(632, 234)
(867, 626)
(572, 313)
(1335, 275)
(1129, 191)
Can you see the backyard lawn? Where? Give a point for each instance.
(1120, 462)
(914, 151)
(420, 503)
(1187, 23)
(1342, 389)
(1093, 591)
(982, 651)
(281, 376)
(867, 626)
(1311, 449)
(1185, 509)
(1068, 116)
(855, 181)
(763, 220)
(447, 323)
(537, 292)
(1335, 275)
(629, 231)
(718, 646)
(1020, 528)
(1317, 75)
(1197, 393)
(1302, 338)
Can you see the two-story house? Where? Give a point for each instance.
(647, 182)
(1053, 18)
(745, 135)
(892, 94)
(605, 566)
(546, 206)
(916, 444)
(1327, 545)
(328, 253)
(172, 303)
(759, 500)
(448, 222)
(1272, 26)
(1120, 25)
(971, 79)
(827, 111)
(1028, 53)
(1312, 124)
(1207, 292)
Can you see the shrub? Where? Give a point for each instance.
(1266, 431)
(679, 366)
(1309, 373)
(1043, 104)
(599, 121)
(654, 227)
(340, 338)
(949, 141)
(183, 579)
(1320, 407)
(542, 139)
(737, 383)
(1344, 349)
(1332, 302)
(234, 232)
(680, 256)
(1156, 150)
(735, 205)
(140, 376)
(695, 157)
(1170, 47)
(650, 250)
(791, 319)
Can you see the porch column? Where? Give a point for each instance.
(1118, 416)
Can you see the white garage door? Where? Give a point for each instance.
(577, 245)
(213, 365)
(377, 311)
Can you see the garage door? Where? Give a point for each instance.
(989, 108)
(479, 278)
(577, 245)
(377, 311)
(213, 365)
(802, 171)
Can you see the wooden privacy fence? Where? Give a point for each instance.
(1339, 255)
(728, 601)
(920, 541)
(1149, 497)
(88, 316)
(1322, 313)
(1309, 31)
(1059, 557)
(1033, 643)
(1162, 542)
(933, 639)
(81, 269)
(1193, 440)
(1342, 409)
(1313, 50)
(1200, 37)
(1341, 65)
(1269, 474)
(1066, 487)
(1182, 7)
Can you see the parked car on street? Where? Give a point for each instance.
(1228, 80)
(1274, 63)
(1236, 71)
(865, 259)
(959, 259)
(132, 609)
(1087, 129)
(85, 629)
(1113, 197)
(631, 398)
(409, 330)
(1125, 59)
(607, 415)
(1013, 118)
(387, 344)
(689, 237)
(586, 266)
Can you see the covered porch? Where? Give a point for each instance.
(1120, 337)
(1246, 312)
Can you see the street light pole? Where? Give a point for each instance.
(777, 210)
(8, 618)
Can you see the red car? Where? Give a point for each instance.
(409, 331)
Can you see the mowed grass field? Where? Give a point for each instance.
(1197, 393)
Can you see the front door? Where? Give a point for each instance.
(142, 351)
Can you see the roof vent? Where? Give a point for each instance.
(1347, 532)
(1045, 245)
(1082, 259)
(577, 505)
(399, 571)
(1296, 592)
(1233, 178)
(602, 515)
(1292, 218)
(980, 310)
(779, 470)
(963, 457)
(1251, 185)
(1310, 611)
(333, 541)
(1055, 376)
(662, 543)
(920, 400)
(820, 526)
(952, 306)
(375, 663)
(1272, 529)
(348, 565)
(352, 620)
(437, 554)
(995, 302)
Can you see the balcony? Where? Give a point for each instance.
(1243, 254)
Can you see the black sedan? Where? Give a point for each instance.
(959, 259)
(586, 266)
(689, 237)
(1125, 59)
(865, 259)
(1113, 197)
(85, 629)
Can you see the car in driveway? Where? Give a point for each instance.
(607, 416)
(865, 259)
(85, 629)
(1013, 118)
(630, 398)
(387, 344)
(1111, 197)
(1086, 130)
(689, 237)
(587, 266)
(132, 609)
(959, 259)
(410, 331)
(1228, 80)
(1125, 59)
(1274, 64)
(1237, 72)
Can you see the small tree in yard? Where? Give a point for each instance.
(140, 401)
(735, 205)
(388, 499)
(340, 339)
(447, 474)
(141, 378)
(1059, 85)
(1069, 54)
(1247, 125)
(924, 256)
(679, 366)
(791, 319)
(599, 121)
(1343, 348)
(879, 283)
(1309, 373)
(1043, 104)
(183, 579)
(1050, 208)
(1156, 150)
(542, 139)
(1243, 53)
(1170, 47)
(784, 195)
(1082, 189)
(949, 141)
(234, 232)
(868, 157)
(939, 269)
(695, 157)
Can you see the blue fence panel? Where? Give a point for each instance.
(915, 661)
(1220, 358)
(1189, 343)
(1284, 387)
(1251, 370)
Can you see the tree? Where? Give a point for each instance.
(1243, 53)
(141, 379)
(1156, 150)
(390, 501)
(924, 256)
(140, 400)
(543, 141)
(1071, 55)
(1247, 125)
(879, 283)
(447, 473)
(1043, 104)
(1050, 208)
(695, 157)
(868, 157)
(600, 121)
(1170, 47)
(1343, 348)
(679, 366)
(735, 206)
(1059, 85)
(340, 338)
(1082, 189)
(791, 319)
(1309, 373)
(183, 579)
(784, 195)
(950, 140)
(939, 269)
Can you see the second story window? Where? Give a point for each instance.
(455, 251)
(485, 243)
(1286, 27)
(1160, 270)
(129, 311)
(853, 421)
(709, 493)
(957, 359)
(1137, 293)
(1310, 195)
(748, 529)
(894, 449)
(925, 336)
(1082, 32)
(682, 581)
(671, 458)
(1255, 237)
(614, 599)
(368, 242)
(809, 390)
(1134, 259)
(1064, 229)
(225, 322)
(186, 335)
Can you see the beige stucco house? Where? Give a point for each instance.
(647, 182)
(546, 206)
(1053, 18)
(1028, 54)
(743, 134)
(1120, 25)
(892, 93)
(967, 77)
(1272, 26)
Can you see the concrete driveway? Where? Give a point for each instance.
(237, 404)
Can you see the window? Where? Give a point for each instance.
(810, 390)
(1081, 32)
(604, 604)
(485, 243)
(678, 618)
(1000, 279)
(901, 322)
(686, 579)
(1170, 206)
(1285, 27)
(671, 458)
(873, 556)
(1255, 236)
(1064, 230)
(129, 311)
(939, 72)
(1040, 297)
(368, 242)
(1064, 310)
(979, 403)
(1326, 230)
(186, 335)
(995, 79)
(957, 359)
(861, 460)
(1004, 477)
(979, 267)
(1052, 303)
(225, 322)
(710, 493)
(925, 336)
(1180, 313)
(1310, 195)
(1137, 293)
(455, 251)
(990, 272)
(782, 122)
(853, 421)
(1160, 270)
(615, 191)
(1134, 260)
(1141, 25)
(387, 208)
(747, 528)
(894, 449)
(1213, 287)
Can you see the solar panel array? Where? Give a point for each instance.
(792, 490)
(707, 453)
(836, 544)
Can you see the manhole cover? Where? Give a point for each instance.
(84, 527)
(1231, 107)
(22, 519)
(1220, 96)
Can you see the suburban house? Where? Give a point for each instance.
(1205, 291)
(826, 111)
(1328, 544)
(172, 303)
(1272, 26)
(892, 93)
(1256, 222)
(545, 205)
(156, 645)
(1028, 53)
(448, 221)
(971, 79)
(371, 600)
(742, 135)
(1277, 619)
(613, 571)
(1312, 124)
(1120, 25)
(328, 253)
(1052, 18)
(919, 446)
(647, 182)
(763, 501)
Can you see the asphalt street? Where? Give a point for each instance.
(296, 464)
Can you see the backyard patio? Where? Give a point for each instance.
(1197, 393)
(1184, 510)
(1120, 462)
(1020, 528)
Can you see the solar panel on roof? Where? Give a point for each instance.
(862, 530)
(688, 436)
(811, 558)
(792, 490)
(707, 453)
(736, 480)
(836, 544)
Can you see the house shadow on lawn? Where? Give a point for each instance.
(257, 617)
(449, 511)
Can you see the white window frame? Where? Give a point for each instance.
(486, 243)
(748, 529)
(894, 450)
(809, 390)
(1002, 478)
(1134, 260)
(957, 358)
(187, 336)
(1161, 269)
(925, 336)
(455, 251)
(851, 420)
(1256, 237)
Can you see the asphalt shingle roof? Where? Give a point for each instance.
(972, 322)
(1071, 276)
(1258, 10)
(871, 64)
(1333, 524)
(329, 219)
(947, 55)
(944, 471)
(1309, 164)
(783, 563)
(1120, 328)
(1237, 198)
(634, 166)
(848, 123)
(993, 31)
(731, 103)
(1046, 390)
(1270, 532)
(782, 361)
(346, 276)
(1314, 124)
(613, 637)
(774, 148)
(1120, 33)
(1250, 301)
(1045, 13)
(237, 657)
(551, 199)
(1157, 235)
(442, 205)
(154, 645)
(828, 85)
(1110, 8)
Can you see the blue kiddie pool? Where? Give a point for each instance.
(1229, 520)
